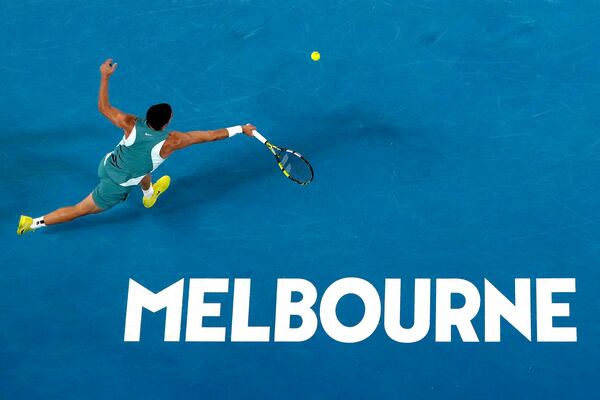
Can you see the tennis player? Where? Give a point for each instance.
(144, 147)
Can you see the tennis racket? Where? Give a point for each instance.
(293, 164)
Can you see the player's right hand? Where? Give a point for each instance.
(247, 129)
(108, 67)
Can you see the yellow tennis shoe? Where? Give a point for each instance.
(160, 187)
(24, 225)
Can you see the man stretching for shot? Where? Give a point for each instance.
(144, 147)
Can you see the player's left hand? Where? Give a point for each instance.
(108, 67)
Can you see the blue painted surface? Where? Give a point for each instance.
(449, 139)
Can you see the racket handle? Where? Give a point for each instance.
(260, 137)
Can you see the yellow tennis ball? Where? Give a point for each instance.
(315, 56)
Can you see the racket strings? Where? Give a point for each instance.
(294, 166)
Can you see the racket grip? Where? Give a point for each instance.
(260, 137)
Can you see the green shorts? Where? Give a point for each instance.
(108, 193)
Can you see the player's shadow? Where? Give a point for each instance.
(318, 140)
(35, 164)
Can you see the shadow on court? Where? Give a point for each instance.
(320, 140)
(40, 169)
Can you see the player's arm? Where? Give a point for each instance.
(116, 116)
(180, 140)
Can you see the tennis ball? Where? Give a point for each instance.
(315, 56)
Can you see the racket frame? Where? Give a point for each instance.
(274, 149)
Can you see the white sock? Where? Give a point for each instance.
(38, 223)
(149, 192)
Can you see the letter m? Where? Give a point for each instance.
(139, 297)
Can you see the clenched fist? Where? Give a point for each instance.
(108, 67)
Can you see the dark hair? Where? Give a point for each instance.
(158, 115)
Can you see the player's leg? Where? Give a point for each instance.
(147, 189)
(106, 195)
(65, 214)
(146, 183)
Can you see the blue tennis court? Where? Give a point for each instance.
(450, 139)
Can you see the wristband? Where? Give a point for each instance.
(234, 130)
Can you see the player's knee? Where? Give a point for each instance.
(79, 209)
(84, 208)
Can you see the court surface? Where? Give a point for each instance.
(449, 139)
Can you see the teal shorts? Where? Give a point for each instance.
(108, 193)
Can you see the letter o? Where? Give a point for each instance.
(367, 325)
